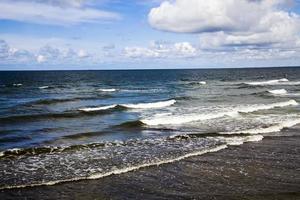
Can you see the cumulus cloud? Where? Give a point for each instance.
(46, 54)
(197, 16)
(230, 22)
(161, 50)
(53, 12)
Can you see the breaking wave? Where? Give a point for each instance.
(107, 90)
(270, 129)
(160, 104)
(278, 92)
(282, 81)
(181, 119)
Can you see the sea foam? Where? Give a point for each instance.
(160, 104)
(181, 119)
(107, 90)
(92, 109)
(271, 129)
(278, 92)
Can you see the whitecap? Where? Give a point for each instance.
(271, 129)
(107, 90)
(235, 141)
(159, 104)
(17, 84)
(202, 82)
(278, 92)
(181, 119)
(282, 81)
(92, 109)
(270, 82)
(44, 87)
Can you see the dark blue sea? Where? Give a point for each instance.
(62, 126)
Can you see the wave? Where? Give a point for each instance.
(282, 81)
(159, 104)
(278, 92)
(116, 171)
(98, 160)
(32, 117)
(107, 90)
(62, 100)
(282, 92)
(181, 119)
(238, 140)
(270, 129)
(270, 82)
(17, 84)
(44, 87)
(93, 109)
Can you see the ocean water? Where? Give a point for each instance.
(60, 126)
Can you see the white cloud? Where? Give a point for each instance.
(197, 16)
(230, 23)
(53, 12)
(161, 50)
(40, 59)
(82, 54)
(4, 49)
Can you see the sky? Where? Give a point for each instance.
(142, 34)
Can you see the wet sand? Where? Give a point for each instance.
(269, 169)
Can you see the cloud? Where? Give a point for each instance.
(231, 23)
(40, 59)
(197, 16)
(53, 12)
(161, 50)
(4, 49)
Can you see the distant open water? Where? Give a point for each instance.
(64, 126)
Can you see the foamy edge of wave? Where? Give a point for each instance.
(160, 104)
(278, 92)
(270, 82)
(235, 141)
(92, 109)
(191, 118)
(44, 87)
(271, 129)
(124, 170)
(107, 89)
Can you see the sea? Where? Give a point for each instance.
(63, 126)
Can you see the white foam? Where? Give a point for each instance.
(17, 84)
(268, 106)
(123, 170)
(235, 141)
(278, 92)
(108, 90)
(181, 119)
(282, 81)
(98, 108)
(283, 92)
(271, 129)
(159, 104)
(44, 87)
(202, 82)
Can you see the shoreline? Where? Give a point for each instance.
(268, 169)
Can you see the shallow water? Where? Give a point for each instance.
(73, 125)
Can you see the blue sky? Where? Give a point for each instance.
(116, 34)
